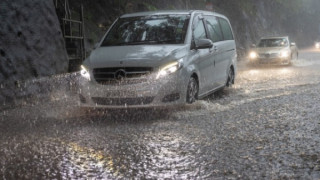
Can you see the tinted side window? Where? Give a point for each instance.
(226, 29)
(214, 30)
(199, 31)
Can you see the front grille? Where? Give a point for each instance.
(269, 55)
(122, 101)
(121, 75)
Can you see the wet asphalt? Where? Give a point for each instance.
(267, 126)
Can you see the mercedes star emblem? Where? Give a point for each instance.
(120, 74)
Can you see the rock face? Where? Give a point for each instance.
(31, 44)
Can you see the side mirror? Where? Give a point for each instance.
(204, 44)
(293, 44)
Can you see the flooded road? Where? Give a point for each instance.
(267, 126)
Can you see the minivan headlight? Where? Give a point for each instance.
(85, 73)
(284, 54)
(169, 69)
(253, 55)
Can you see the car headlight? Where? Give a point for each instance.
(317, 45)
(169, 69)
(85, 73)
(284, 54)
(253, 55)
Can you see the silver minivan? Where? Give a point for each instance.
(158, 59)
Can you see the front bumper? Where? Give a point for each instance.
(270, 61)
(152, 93)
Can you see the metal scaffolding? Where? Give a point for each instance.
(73, 33)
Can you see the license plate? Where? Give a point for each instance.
(121, 93)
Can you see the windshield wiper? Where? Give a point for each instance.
(142, 42)
(134, 43)
(145, 42)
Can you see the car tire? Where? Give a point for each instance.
(231, 77)
(192, 90)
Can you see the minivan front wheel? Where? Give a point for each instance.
(192, 91)
(230, 79)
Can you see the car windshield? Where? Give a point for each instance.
(279, 42)
(159, 29)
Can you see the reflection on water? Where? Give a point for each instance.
(163, 155)
(81, 161)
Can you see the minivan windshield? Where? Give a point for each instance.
(276, 42)
(156, 29)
